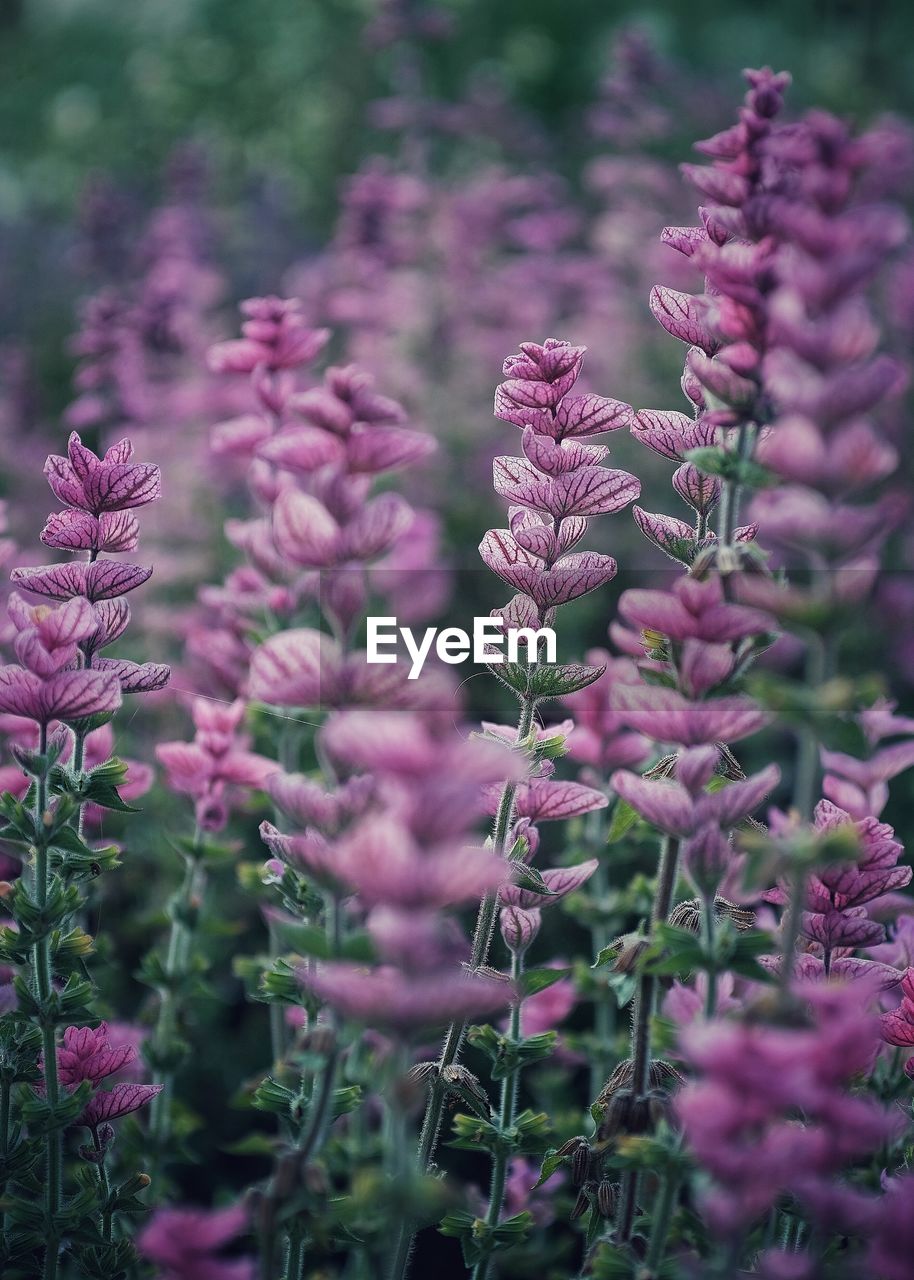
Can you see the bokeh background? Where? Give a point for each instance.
(284, 97)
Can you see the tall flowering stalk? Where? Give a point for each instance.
(293, 614)
(693, 641)
(775, 192)
(67, 689)
(553, 489)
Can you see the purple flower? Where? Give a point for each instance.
(111, 1104)
(559, 482)
(275, 337)
(87, 1054)
(680, 811)
(100, 485)
(217, 761)
(693, 609)
(68, 695)
(519, 926)
(388, 998)
(560, 881)
(738, 1115)
(668, 716)
(184, 1244)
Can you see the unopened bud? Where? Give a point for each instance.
(607, 1199)
(519, 926)
(581, 1205)
(580, 1166)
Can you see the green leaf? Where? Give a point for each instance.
(535, 980)
(457, 1223)
(512, 674)
(716, 461)
(526, 877)
(623, 986)
(512, 1231)
(623, 819)
(673, 952)
(552, 1161)
(559, 681)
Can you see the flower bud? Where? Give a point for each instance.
(519, 926)
(580, 1166)
(607, 1197)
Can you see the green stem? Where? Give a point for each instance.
(104, 1187)
(450, 1050)
(660, 1222)
(506, 1112)
(177, 962)
(807, 768)
(641, 1030)
(731, 492)
(295, 1259)
(708, 923)
(79, 756)
(43, 988)
(601, 936)
(319, 1117)
(806, 778)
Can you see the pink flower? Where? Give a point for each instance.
(549, 1008)
(275, 337)
(668, 716)
(559, 482)
(68, 696)
(184, 1244)
(100, 485)
(397, 1001)
(216, 761)
(87, 1054)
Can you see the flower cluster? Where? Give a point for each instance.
(740, 1114)
(557, 484)
(395, 836)
(100, 496)
(87, 1055)
(313, 455)
(216, 761)
(836, 922)
(726, 328)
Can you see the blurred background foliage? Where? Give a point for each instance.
(280, 87)
(279, 94)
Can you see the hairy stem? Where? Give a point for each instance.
(660, 1222)
(806, 778)
(601, 936)
(506, 1112)
(177, 961)
(641, 1029)
(43, 988)
(708, 924)
(104, 1187)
